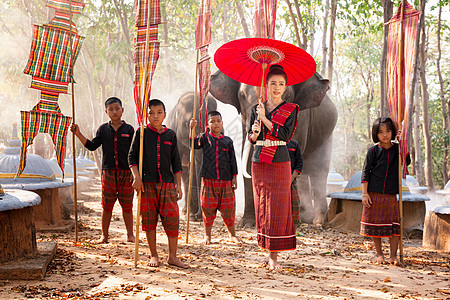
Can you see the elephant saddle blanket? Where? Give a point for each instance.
(279, 118)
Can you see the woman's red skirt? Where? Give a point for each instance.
(273, 207)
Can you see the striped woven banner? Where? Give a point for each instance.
(34, 122)
(141, 13)
(410, 22)
(204, 70)
(62, 21)
(139, 65)
(265, 16)
(203, 28)
(64, 5)
(202, 41)
(50, 54)
(145, 10)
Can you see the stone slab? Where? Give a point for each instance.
(17, 199)
(32, 268)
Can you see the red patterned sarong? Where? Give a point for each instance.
(217, 195)
(116, 184)
(273, 207)
(295, 199)
(160, 199)
(382, 218)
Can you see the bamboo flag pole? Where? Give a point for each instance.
(191, 165)
(142, 95)
(400, 114)
(74, 158)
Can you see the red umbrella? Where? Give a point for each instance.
(246, 60)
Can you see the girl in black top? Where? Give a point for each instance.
(380, 216)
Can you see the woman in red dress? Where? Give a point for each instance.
(274, 123)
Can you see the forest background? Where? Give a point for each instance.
(346, 38)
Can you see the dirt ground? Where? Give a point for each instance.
(327, 264)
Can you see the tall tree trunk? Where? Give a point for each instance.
(311, 30)
(443, 102)
(166, 49)
(387, 7)
(294, 23)
(242, 18)
(331, 41)
(323, 66)
(418, 166)
(425, 115)
(121, 14)
(302, 24)
(225, 21)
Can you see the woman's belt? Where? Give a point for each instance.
(269, 143)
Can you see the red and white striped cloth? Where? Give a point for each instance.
(410, 22)
(145, 22)
(202, 41)
(265, 17)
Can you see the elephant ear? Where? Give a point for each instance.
(225, 89)
(310, 93)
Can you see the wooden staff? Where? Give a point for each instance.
(74, 159)
(191, 164)
(399, 115)
(144, 104)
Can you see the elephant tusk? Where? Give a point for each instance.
(244, 160)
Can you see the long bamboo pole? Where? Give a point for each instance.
(74, 158)
(400, 114)
(191, 165)
(144, 96)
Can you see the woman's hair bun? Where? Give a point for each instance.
(275, 67)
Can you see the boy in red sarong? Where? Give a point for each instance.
(115, 138)
(160, 184)
(219, 171)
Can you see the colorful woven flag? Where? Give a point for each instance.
(203, 28)
(141, 12)
(202, 40)
(145, 58)
(265, 16)
(400, 83)
(34, 122)
(50, 55)
(54, 49)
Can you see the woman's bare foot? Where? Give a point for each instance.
(154, 262)
(177, 262)
(102, 240)
(236, 240)
(379, 260)
(395, 262)
(274, 265)
(273, 262)
(131, 239)
(206, 240)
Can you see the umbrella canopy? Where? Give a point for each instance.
(245, 60)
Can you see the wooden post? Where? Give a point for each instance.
(191, 162)
(74, 158)
(144, 104)
(400, 114)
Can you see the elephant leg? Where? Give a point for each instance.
(185, 180)
(319, 182)
(248, 219)
(306, 199)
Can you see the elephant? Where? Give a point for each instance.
(317, 119)
(178, 119)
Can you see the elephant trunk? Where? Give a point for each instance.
(245, 156)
